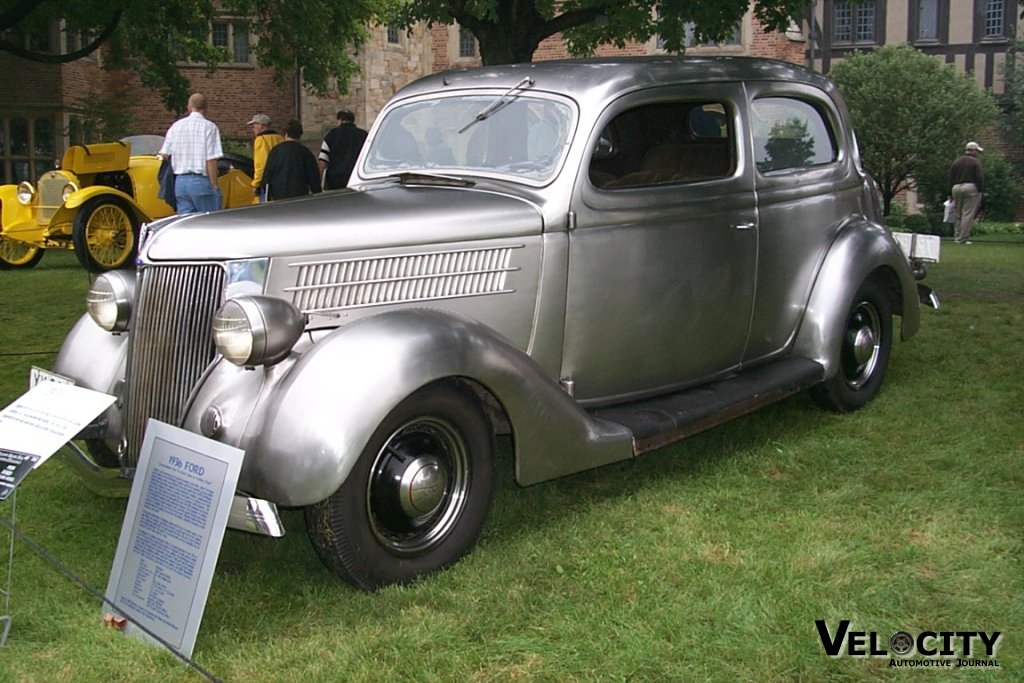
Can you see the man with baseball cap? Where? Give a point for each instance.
(264, 139)
(966, 184)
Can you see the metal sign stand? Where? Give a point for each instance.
(5, 591)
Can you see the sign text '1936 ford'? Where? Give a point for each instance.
(595, 257)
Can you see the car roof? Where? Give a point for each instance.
(585, 78)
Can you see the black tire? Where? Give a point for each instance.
(864, 356)
(104, 233)
(417, 498)
(15, 255)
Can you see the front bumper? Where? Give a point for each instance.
(254, 515)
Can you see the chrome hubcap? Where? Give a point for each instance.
(422, 487)
(418, 486)
(863, 344)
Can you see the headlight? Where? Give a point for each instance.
(110, 300)
(256, 330)
(68, 190)
(26, 191)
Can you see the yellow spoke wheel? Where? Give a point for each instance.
(104, 234)
(17, 254)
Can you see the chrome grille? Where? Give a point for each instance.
(51, 190)
(171, 344)
(324, 286)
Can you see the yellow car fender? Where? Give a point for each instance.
(17, 221)
(76, 200)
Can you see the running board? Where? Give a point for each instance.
(662, 420)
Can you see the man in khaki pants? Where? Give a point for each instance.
(966, 184)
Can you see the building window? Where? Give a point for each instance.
(467, 43)
(994, 19)
(27, 148)
(233, 36)
(854, 22)
(393, 38)
(927, 20)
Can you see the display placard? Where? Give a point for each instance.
(14, 466)
(172, 532)
(47, 416)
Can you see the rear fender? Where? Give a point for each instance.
(862, 250)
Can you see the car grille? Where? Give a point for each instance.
(171, 344)
(335, 285)
(51, 191)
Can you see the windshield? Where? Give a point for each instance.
(522, 136)
(144, 144)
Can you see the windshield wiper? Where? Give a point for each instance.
(497, 104)
(419, 178)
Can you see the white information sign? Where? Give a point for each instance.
(47, 416)
(172, 532)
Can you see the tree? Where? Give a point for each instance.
(912, 114)
(510, 31)
(152, 38)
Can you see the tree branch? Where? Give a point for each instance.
(13, 16)
(45, 58)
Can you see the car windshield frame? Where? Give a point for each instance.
(525, 137)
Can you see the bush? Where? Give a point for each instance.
(897, 215)
(1002, 193)
(997, 228)
(919, 223)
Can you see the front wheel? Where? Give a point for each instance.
(104, 234)
(15, 254)
(418, 496)
(864, 354)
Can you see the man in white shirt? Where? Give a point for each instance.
(193, 145)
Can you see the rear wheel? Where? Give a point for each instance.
(864, 355)
(417, 498)
(104, 234)
(15, 254)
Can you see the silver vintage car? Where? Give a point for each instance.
(595, 257)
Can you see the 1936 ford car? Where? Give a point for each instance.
(95, 202)
(597, 257)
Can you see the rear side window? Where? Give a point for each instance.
(790, 134)
(665, 143)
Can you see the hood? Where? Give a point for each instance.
(379, 217)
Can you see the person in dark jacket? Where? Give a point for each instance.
(966, 184)
(291, 169)
(339, 151)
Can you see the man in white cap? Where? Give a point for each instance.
(264, 139)
(966, 184)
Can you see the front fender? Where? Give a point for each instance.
(17, 220)
(861, 250)
(96, 360)
(79, 198)
(310, 420)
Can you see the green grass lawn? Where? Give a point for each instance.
(707, 560)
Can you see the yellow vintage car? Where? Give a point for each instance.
(96, 201)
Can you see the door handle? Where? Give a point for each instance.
(744, 226)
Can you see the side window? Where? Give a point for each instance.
(790, 133)
(663, 143)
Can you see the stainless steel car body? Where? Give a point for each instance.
(556, 296)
